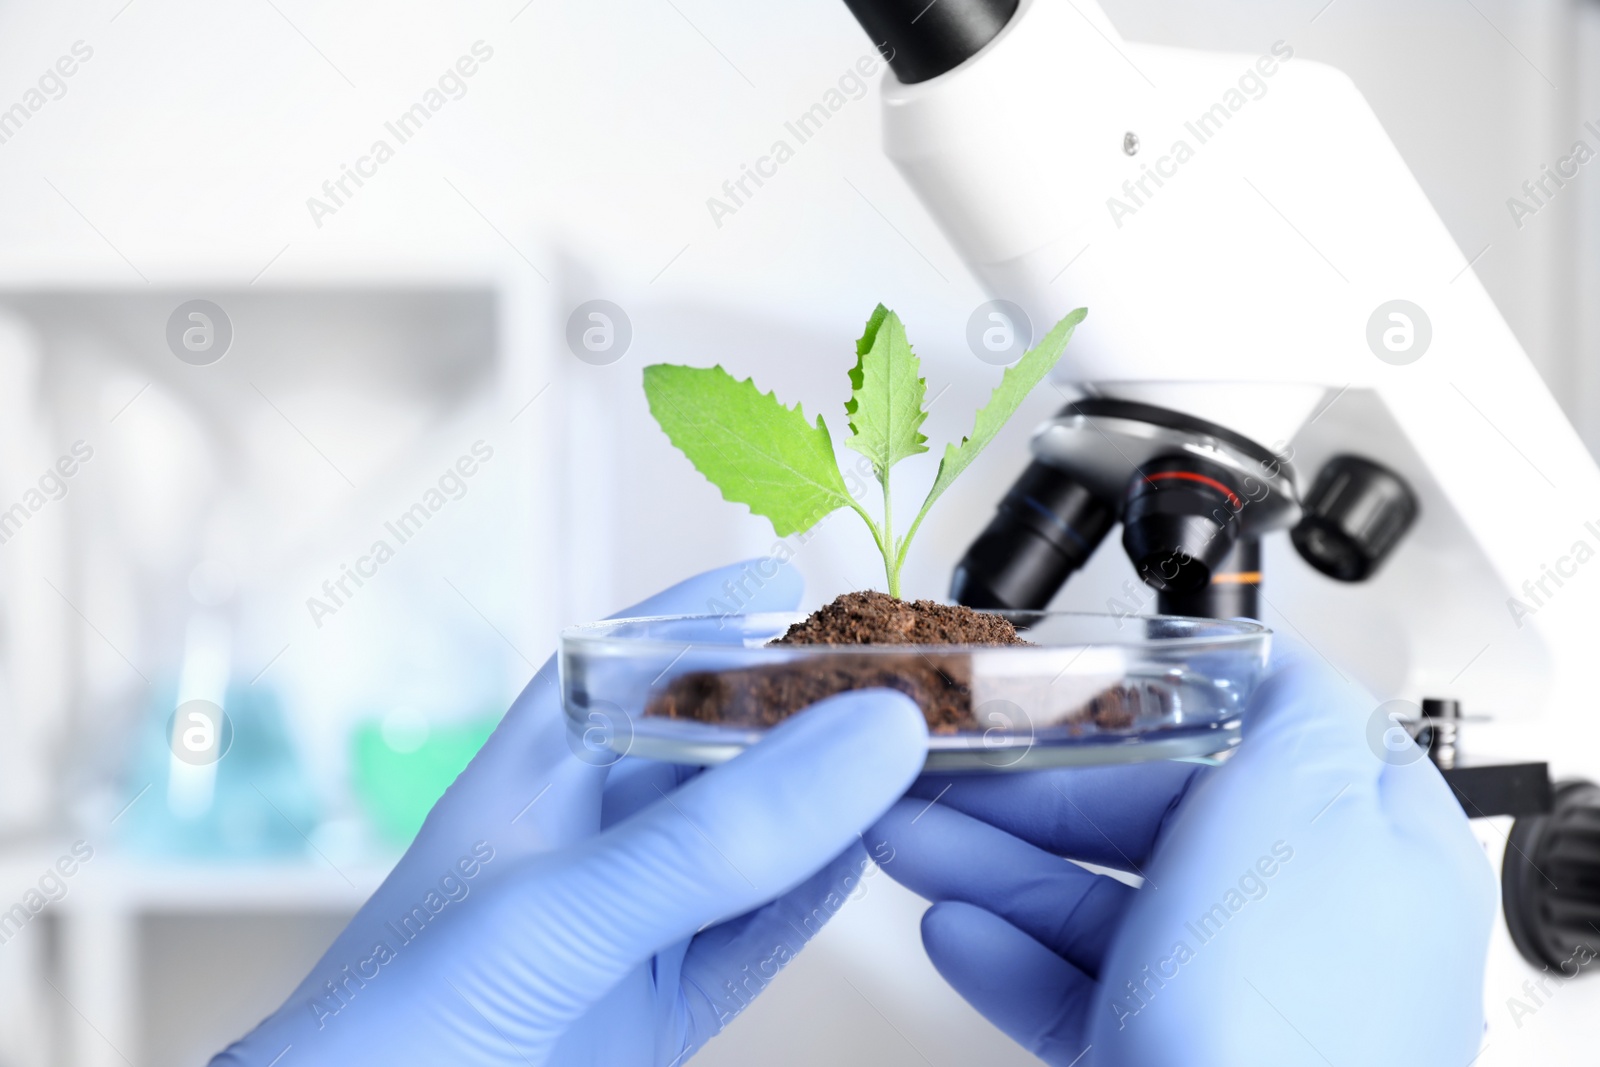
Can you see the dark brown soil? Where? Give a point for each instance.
(873, 618)
(763, 696)
(939, 682)
(1120, 706)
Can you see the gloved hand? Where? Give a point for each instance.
(552, 912)
(1308, 902)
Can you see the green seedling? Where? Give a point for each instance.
(767, 456)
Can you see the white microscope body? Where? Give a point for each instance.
(1234, 224)
(1231, 267)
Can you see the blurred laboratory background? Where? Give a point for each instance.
(240, 345)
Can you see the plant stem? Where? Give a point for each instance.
(905, 542)
(887, 546)
(877, 538)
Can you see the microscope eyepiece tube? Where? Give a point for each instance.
(922, 40)
(1046, 527)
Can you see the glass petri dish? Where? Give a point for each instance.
(1088, 689)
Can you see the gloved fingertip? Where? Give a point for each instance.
(1035, 996)
(767, 584)
(1282, 681)
(1308, 703)
(879, 732)
(889, 711)
(1286, 651)
(954, 918)
(945, 921)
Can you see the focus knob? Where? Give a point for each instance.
(1550, 885)
(1355, 514)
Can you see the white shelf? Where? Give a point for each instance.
(96, 957)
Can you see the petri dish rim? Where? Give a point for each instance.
(603, 633)
(738, 641)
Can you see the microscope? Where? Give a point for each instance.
(1271, 292)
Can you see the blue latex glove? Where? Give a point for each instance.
(562, 912)
(1308, 902)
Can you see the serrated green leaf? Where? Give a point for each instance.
(747, 444)
(1015, 384)
(885, 405)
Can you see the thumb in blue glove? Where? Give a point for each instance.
(547, 915)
